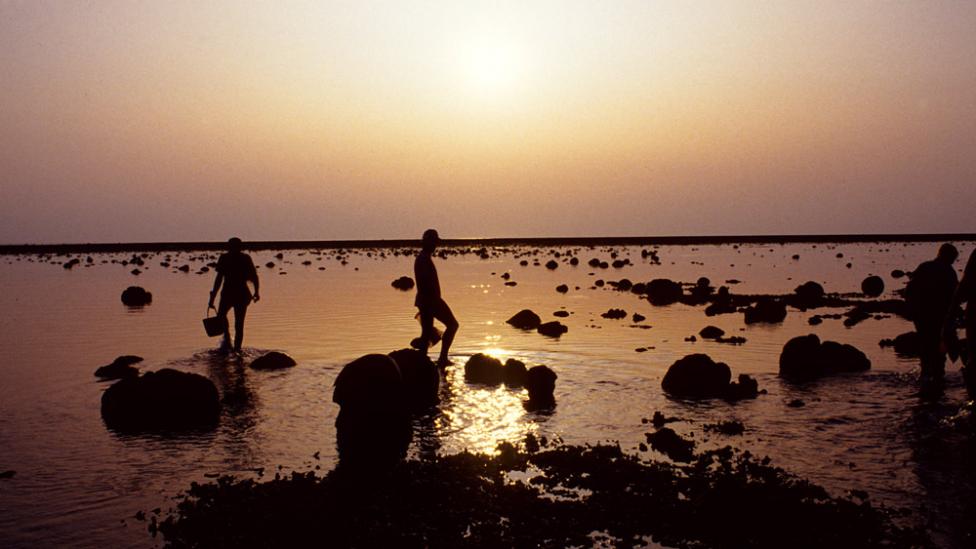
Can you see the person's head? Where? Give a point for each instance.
(234, 245)
(430, 240)
(947, 253)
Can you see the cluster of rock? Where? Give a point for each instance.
(528, 320)
(698, 376)
(539, 380)
(806, 357)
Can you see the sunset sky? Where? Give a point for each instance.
(167, 121)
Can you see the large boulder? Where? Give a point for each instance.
(421, 378)
(873, 286)
(404, 283)
(119, 368)
(514, 373)
(697, 376)
(766, 310)
(273, 361)
(806, 357)
(552, 329)
(165, 400)
(373, 425)
(136, 296)
(662, 291)
(481, 368)
(541, 383)
(525, 320)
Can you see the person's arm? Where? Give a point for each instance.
(254, 280)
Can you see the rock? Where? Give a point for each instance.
(855, 316)
(638, 318)
(711, 332)
(373, 425)
(525, 320)
(273, 361)
(404, 283)
(897, 273)
(806, 357)
(594, 262)
(121, 367)
(615, 314)
(562, 288)
(731, 427)
(165, 400)
(561, 314)
(552, 329)
(482, 368)
(905, 344)
(809, 293)
(135, 296)
(669, 443)
(623, 285)
(697, 376)
(421, 378)
(541, 383)
(796, 403)
(745, 387)
(8, 474)
(872, 286)
(691, 339)
(662, 291)
(574, 261)
(551, 264)
(765, 311)
(514, 373)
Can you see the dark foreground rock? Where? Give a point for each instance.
(404, 283)
(273, 361)
(525, 320)
(119, 368)
(373, 425)
(136, 296)
(541, 383)
(806, 357)
(481, 368)
(421, 378)
(165, 400)
(469, 500)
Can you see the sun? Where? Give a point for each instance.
(493, 68)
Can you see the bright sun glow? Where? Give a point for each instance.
(493, 68)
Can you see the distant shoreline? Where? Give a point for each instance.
(12, 249)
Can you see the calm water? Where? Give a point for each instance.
(77, 484)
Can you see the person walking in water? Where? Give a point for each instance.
(429, 300)
(965, 293)
(929, 294)
(234, 270)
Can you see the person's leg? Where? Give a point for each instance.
(445, 315)
(240, 310)
(222, 311)
(930, 355)
(426, 328)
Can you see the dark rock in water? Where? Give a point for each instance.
(552, 329)
(906, 344)
(421, 378)
(561, 314)
(594, 262)
(562, 288)
(273, 361)
(574, 261)
(662, 291)
(525, 320)
(731, 427)
(669, 443)
(697, 376)
(732, 340)
(638, 317)
(815, 320)
(373, 425)
(766, 311)
(745, 387)
(623, 285)
(481, 368)
(119, 368)
(691, 339)
(8, 474)
(639, 288)
(796, 403)
(806, 357)
(165, 400)
(659, 419)
(551, 264)
(711, 332)
(897, 273)
(855, 316)
(435, 338)
(615, 314)
(514, 373)
(511, 283)
(135, 296)
(404, 283)
(872, 286)
(541, 383)
(71, 263)
(809, 293)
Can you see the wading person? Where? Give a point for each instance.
(965, 293)
(929, 294)
(429, 301)
(234, 270)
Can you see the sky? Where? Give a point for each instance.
(147, 121)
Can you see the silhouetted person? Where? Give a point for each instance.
(429, 300)
(966, 293)
(234, 270)
(929, 294)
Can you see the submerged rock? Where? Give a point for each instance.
(697, 376)
(165, 400)
(136, 296)
(404, 283)
(273, 361)
(119, 368)
(552, 329)
(481, 368)
(806, 357)
(525, 320)
(541, 383)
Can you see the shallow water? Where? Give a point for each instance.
(78, 484)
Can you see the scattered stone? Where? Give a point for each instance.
(806, 357)
(808, 294)
(897, 273)
(481, 368)
(551, 264)
(691, 339)
(730, 427)
(638, 317)
(669, 443)
(525, 320)
(872, 286)
(7, 474)
(165, 400)
(769, 311)
(562, 288)
(732, 340)
(796, 403)
(561, 314)
(136, 296)
(404, 283)
(552, 329)
(121, 367)
(511, 283)
(662, 291)
(273, 361)
(711, 332)
(855, 316)
(615, 314)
